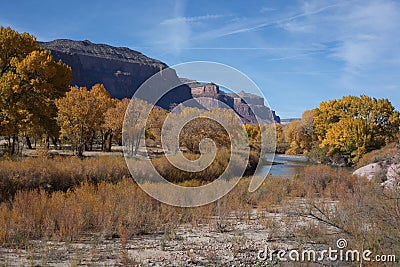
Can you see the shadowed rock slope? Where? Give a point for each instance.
(120, 69)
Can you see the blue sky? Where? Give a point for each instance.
(298, 52)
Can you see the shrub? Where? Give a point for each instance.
(385, 153)
(212, 172)
(60, 173)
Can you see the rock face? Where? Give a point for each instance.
(244, 104)
(120, 69)
(123, 70)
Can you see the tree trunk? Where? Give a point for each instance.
(54, 140)
(92, 139)
(137, 142)
(16, 138)
(109, 144)
(103, 140)
(80, 151)
(106, 139)
(13, 144)
(28, 142)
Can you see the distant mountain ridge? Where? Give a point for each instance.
(105, 51)
(246, 105)
(122, 71)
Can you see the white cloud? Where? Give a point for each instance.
(176, 33)
(256, 24)
(368, 34)
(265, 9)
(298, 27)
(361, 34)
(191, 19)
(175, 36)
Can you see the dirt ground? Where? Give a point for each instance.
(230, 242)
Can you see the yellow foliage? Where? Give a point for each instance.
(300, 134)
(81, 113)
(30, 81)
(353, 125)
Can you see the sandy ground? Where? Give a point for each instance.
(236, 243)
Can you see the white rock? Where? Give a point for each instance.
(393, 177)
(369, 171)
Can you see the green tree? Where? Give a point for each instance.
(30, 81)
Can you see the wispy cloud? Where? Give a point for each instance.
(175, 35)
(370, 35)
(240, 48)
(278, 22)
(191, 19)
(297, 56)
(362, 34)
(177, 32)
(266, 9)
(357, 33)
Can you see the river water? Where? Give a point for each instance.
(285, 165)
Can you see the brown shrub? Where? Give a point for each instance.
(323, 181)
(120, 209)
(385, 153)
(58, 173)
(212, 172)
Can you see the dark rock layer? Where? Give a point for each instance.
(120, 69)
(123, 71)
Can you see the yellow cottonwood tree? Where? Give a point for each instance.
(300, 134)
(352, 126)
(30, 81)
(155, 123)
(81, 113)
(114, 119)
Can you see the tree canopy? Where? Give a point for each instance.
(81, 113)
(30, 81)
(352, 126)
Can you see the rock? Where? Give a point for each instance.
(393, 177)
(246, 105)
(369, 171)
(123, 70)
(120, 69)
(391, 170)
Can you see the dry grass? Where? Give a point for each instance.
(57, 174)
(323, 181)
(209, 174)
(378, 155)
(360, 210)
(63, 173)
(175, 175)
(120, 210)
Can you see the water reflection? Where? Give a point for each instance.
(286, 165)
